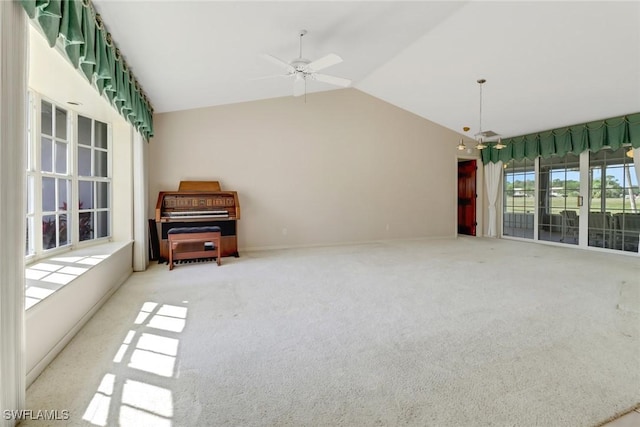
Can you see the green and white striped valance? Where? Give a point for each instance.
(89, 47)
(594, 136)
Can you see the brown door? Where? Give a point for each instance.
(467, 197)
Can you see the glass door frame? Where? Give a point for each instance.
(583, 225)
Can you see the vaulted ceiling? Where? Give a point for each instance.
(546, 64)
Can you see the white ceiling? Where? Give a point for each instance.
(547, 64)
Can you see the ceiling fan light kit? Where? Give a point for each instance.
(302, 69)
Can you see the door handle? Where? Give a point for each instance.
(580, 200)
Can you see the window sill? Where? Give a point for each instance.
(47, 276)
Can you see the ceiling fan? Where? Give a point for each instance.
(302, 69)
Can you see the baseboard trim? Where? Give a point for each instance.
(350, 243)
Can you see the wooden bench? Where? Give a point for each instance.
(193, 240)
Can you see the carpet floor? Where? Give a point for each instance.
(452, 332)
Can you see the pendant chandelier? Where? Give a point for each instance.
(482, 135)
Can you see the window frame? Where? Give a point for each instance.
(30, 178)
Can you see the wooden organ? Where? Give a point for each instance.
(199, 204)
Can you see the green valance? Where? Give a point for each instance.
(594, 136)
(86, 42)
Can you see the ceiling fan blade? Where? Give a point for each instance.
(324, 62)
(338, 81)
(279, 62)
(299, 87)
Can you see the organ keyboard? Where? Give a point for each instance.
(202, 204)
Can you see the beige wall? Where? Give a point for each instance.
(342, 167)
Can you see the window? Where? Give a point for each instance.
(54, 175)
(93, 180)
(519, 198)
(68, 178)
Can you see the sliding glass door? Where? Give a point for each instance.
(543, 200)
(614, 200)
(559, 199)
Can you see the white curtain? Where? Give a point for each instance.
(13, 89)
(140, 198)
(493, 176)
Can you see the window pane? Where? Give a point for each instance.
(27, 151)
(85, 196)
(101, 135)
(29, 243)
(48, 194)
(596, 177)
(85, 227)
(61, 123)
(84, 161)
(61, 157)
(30, 195)
(102, 195)
(100, 163)
(46, 126)
(48, 231)
(64, 191)
(63, 229)
(46, 155)
(102, 224)
(84, 130)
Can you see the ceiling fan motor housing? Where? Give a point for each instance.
(300, 64)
